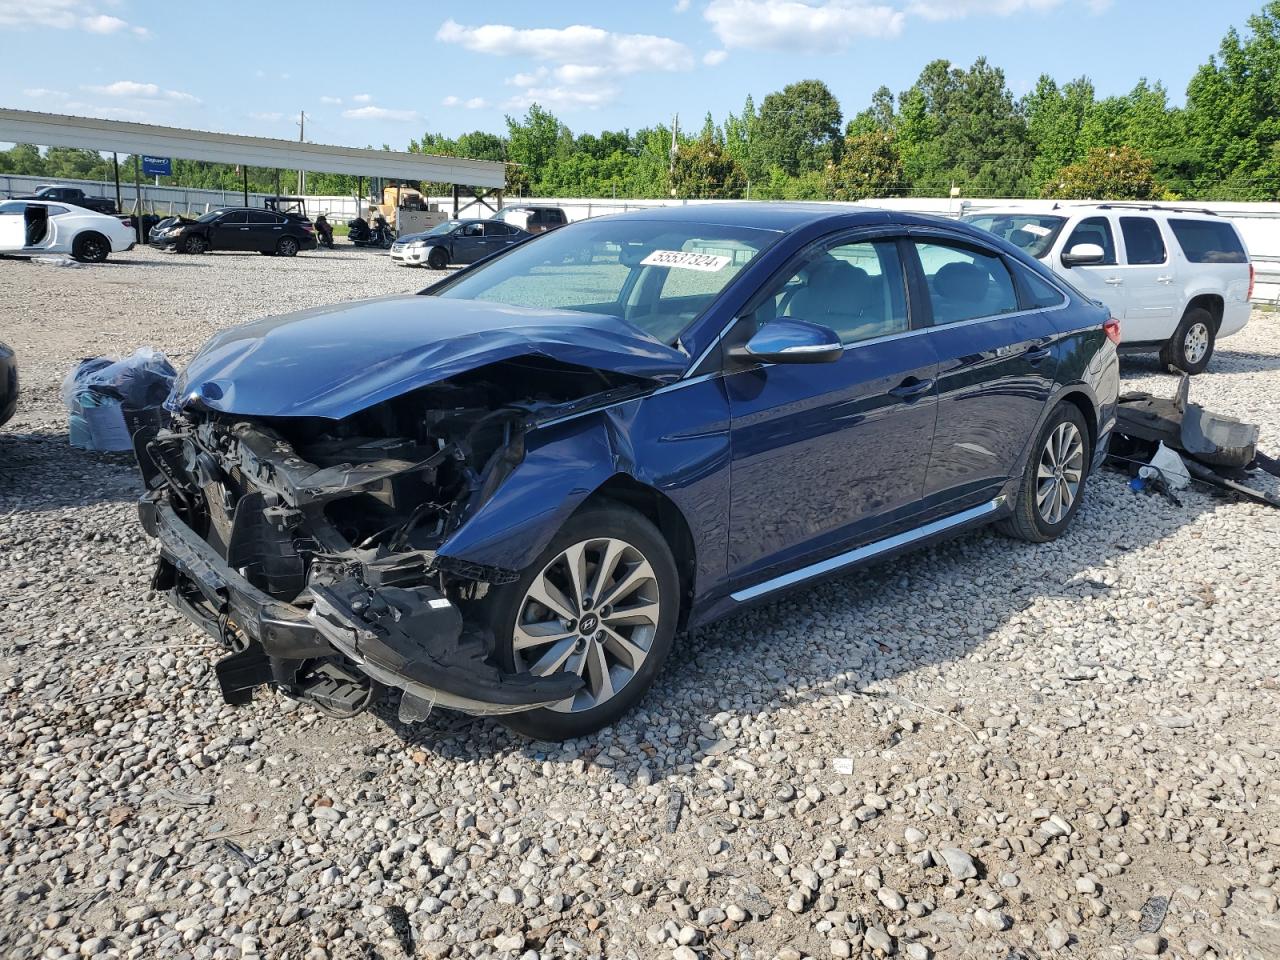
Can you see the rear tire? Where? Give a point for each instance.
(90, 248)
(1053, 482)
(437, 259)
(287, 247)
(1191, 346)
(195, 244)
(639, 574)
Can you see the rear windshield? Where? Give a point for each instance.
(1209, 241)
(1033, 233)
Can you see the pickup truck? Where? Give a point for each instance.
(74, 196)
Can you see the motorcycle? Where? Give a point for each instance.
(324, 231)
(362, 235)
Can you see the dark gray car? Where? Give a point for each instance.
(456, 241)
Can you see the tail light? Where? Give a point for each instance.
(309, 228)
(1112, 329)
(1253, 273)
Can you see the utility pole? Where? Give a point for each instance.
(675, 148)
(302, 137)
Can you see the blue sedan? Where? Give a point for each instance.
(509, 494)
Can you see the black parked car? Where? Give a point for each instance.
(455, 241)
(240, 228)
(8, 384)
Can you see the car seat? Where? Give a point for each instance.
(959, 290)
(37, 223)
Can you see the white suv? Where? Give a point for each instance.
(1178, 279)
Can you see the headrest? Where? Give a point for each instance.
(964, 282)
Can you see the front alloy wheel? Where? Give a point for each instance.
(601, 601)
(593, 611)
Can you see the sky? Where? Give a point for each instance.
(370, 74)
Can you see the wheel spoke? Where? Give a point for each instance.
(624, 588)
(539, 634)
(554, 659)
(549, 595)
(575, 560)
(613, 551)
(624, 649)
(597, 673)
(643, 612)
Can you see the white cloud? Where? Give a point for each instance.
(379, 113)
(624, 52)
(331, 100)
(271, 116)
(61, 15)
(476, 103)
(44, 93)
(824, 27)
(102, 23)
(713, 58)
(563, 98)
(132, 89)
(681, 6)
(450, 101)
(362, 98)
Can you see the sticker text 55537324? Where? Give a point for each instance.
(685, 260)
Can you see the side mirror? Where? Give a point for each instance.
(786, 340)
(1083, 255)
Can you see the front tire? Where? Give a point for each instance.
(195, 244)
(1053, 482)
(437, 259)
(602, 600)
(90, 248)
(287, 247)
(1191, 346)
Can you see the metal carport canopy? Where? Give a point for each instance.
(119, 136)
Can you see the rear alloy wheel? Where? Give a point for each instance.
(601, 602)
(195, 244)
(90, 248)
(1053, 482)
(1191, 346)
(287, 247)
(437, 259)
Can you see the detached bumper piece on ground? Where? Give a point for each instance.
(1215, 450)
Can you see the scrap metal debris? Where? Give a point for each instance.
(1165, 442)
(675, 804)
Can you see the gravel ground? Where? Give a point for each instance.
(987, 749)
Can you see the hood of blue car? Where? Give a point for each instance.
(335, 361)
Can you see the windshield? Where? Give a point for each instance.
(442, 228)
(659, 276)
(210, 216)
(13, 206)
(1034, 233)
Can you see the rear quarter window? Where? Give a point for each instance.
(1208, 241)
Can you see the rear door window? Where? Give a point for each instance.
(262, 216)
(1143, 244)
(236, 216)
(965, 284)
(1094, 230)
(1209, 241)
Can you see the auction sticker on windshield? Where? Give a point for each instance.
(684, 260)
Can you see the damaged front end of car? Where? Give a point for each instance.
(310, 546)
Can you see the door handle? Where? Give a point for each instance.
(1115, 281)
(1164, 279)
(911, 389)
(1038, 353)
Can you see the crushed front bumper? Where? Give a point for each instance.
(409, 639)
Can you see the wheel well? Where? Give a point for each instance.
(666, 516)
(86, 234)
(1211, 302)
(1085, 406)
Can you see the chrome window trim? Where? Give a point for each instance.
(870, 550)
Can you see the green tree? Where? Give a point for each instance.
(703, 170)
(798, 129)
(963, 126)
(1107, 173)
(22, 159)
(1233, 111)
(870, 166)
(878, 118)
(1055, 118)
(533, 141)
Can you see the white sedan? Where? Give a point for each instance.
(33, 227)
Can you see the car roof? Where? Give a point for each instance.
(762, 215)
(1091, 208)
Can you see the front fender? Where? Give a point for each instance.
(515, 524)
